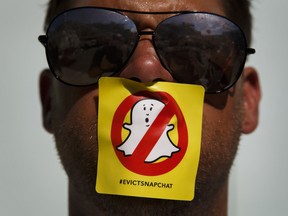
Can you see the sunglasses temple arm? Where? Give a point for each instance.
(43, 40)
(250, 51)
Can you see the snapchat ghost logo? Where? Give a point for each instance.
(143, 114)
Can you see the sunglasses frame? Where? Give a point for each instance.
(43, 39)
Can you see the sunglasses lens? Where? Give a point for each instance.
(201, 48)
(86, 43)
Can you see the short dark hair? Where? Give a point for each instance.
(236, 10)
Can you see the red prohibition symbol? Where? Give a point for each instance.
(136, 162)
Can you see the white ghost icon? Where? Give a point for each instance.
(143, 115)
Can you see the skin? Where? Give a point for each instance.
(70, 114)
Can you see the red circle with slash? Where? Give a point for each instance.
(136, 162)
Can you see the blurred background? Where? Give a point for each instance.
(32, 181)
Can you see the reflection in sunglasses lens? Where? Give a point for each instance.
(89, 45)
(206, 49)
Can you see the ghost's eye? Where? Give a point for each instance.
(151, 108)
(144, 108)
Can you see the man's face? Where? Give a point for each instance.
(70, 113)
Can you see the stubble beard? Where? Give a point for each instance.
(76, 142)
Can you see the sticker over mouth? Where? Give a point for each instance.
(149, 138)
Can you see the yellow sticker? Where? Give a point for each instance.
(149, 138)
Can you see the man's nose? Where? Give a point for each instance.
(144, 64)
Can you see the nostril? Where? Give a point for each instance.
(158, 80)
(139, 80)
(135, 79)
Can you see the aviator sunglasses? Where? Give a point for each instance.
(84, 44)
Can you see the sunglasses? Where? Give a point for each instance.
(84, 44)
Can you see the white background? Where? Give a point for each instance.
(32, 181)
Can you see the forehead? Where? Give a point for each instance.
(150, 21)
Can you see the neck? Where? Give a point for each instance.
(81, 205)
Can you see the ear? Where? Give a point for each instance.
(251, 96)
(45, 83)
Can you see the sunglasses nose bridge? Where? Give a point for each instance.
(145, 35)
